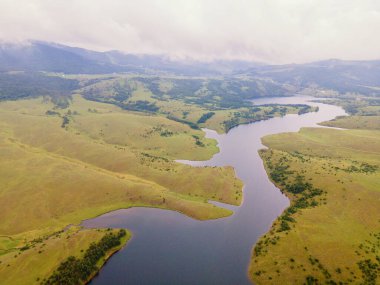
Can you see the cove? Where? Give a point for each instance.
(170, 248)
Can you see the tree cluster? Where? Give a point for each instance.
(75, 270)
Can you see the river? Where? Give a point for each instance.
(170, 248)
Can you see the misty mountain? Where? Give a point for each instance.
(339, 75)
(342, 76)
(39, 56)
(53, 57)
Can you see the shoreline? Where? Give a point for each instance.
(312, 110)
(124, 242)
(271, 227)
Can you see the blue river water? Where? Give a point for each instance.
(170, 248)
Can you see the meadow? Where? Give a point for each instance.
(91, 145)
(54, 174)
(217, 104)
(33, 264)
(330, 233)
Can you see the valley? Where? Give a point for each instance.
(174, 167)
(88, 157)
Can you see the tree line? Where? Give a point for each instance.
(76, 270)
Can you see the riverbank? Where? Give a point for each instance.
(33, 264)
(113, 169)
(195, 251)
(83, 269)
(328, 234)
(54, 175)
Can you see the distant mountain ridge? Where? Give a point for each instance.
(40, 56)
(339, 75)
(53, 57)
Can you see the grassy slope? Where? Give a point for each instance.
(156, 135)
(103, 159)
(355, 122)
(340, 231)
(41, 260)
(49, 153)
(179, 108)
(53, 176)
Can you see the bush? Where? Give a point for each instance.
(205, 117)
(284, 226)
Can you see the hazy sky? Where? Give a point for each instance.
(277, 31)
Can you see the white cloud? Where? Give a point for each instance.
(272, 30)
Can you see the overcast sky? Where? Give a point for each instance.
(276, 31)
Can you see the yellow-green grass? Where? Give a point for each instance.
(340, 231)
(140, 161)
(216, 122)
(38, 262)
(370, 110)
(102, 160)
(355, 122)
(361, 145)
(154, 134)
(40, 158)
(140, 92)
(179, 109)
(47, 191)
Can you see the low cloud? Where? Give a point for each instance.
(275, 31)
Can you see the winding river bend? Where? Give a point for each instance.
(170, 248)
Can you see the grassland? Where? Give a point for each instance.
(331, 232)
(34, 264)
(56, 171)
(186, 100)
(66, 159)
(355, 122)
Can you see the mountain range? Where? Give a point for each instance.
(340, 75)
